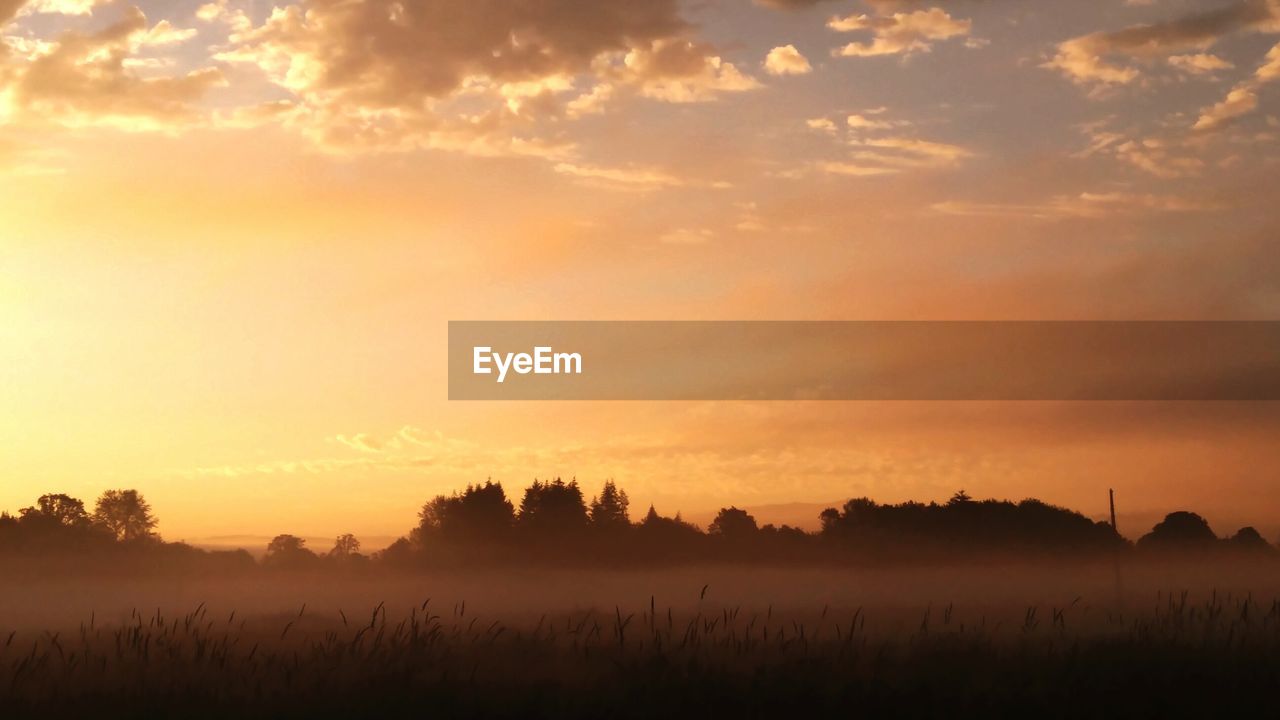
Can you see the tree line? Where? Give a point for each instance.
(554, 522)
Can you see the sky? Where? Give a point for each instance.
(232, 234)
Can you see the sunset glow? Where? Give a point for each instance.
(232, 235)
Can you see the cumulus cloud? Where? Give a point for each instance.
(475, 76)
(1092, 59)
(681, 71)
(221, 11)
(164, 34)
(87, 79)
(387, 54)
(786, 60)
(591, 102)
(898, 33)
(56, 7)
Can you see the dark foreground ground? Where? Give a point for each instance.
(861, 644)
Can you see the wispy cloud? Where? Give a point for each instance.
(1095, 206)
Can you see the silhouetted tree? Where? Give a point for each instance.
(480, 513)
(58, 509)
(961, 525)
(345, 546)
(1180, 530)
(285, 545)
(57, 522)
(664, 537)
(288, 551)
(609, 510)
(553, 508)
(733, 524)
(10, 531)
(830, 521)
(126, 515)
(1248, 539)
(399, 553)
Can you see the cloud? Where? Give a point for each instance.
(1086, 205)
(786, 60)
(1243, 98)
(1081, 61)
(854, 169)
(221, 11)
(686, 236)
(682, 71)
(877, 152)
(591, 102)
(629, 178)
(788, 4)
(862, 122)
(488, 76)
(1169, 157)
(823, 124)
(163, 34)
(898, 33)
(86, 79)
(908, 153)
(382, 53)
(1240, 100)
(56, 7)
(893, 155)
(1199, 64)
(1084, 59)
(1157, 157)
(408, 437)
(361, 441)
(409, 449)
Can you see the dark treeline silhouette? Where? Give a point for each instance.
(58, 532)
(554, 522)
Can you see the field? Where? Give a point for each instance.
(705, 642)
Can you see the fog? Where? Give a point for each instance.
(521, 595)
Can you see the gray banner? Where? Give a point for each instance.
(855, 360)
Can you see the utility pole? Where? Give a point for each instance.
(1112, 494)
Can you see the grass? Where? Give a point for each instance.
(1174, 658)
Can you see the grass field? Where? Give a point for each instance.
(1171, 654)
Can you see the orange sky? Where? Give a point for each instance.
(231, 236)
